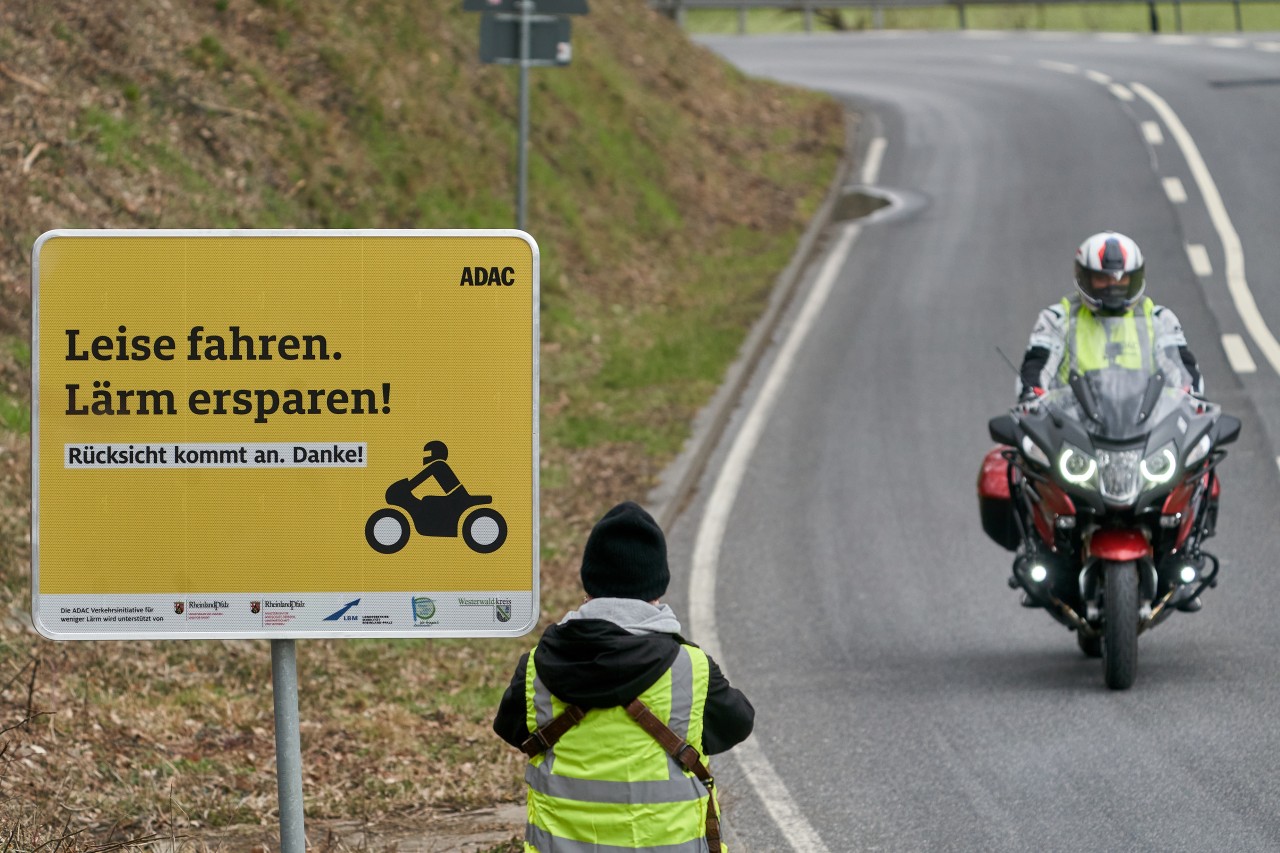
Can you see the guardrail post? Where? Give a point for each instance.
(742, 19)
(1239, 21)
(960, 9)
(808, 16)
(1177, 14)
(877, 17)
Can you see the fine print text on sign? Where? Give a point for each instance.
(285, 434)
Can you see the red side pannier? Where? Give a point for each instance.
(994, 503)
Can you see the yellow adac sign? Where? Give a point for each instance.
(285, 433)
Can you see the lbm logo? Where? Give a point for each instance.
(340, 615)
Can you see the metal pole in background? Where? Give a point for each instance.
(522, 156)
(284, 683)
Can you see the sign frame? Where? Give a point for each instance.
(509, 619)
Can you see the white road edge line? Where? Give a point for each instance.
(757, 770)
(1238, 354)
(1241, 295)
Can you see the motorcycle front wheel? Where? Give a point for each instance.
(1120, 624)
(387, 530)
(484, 530)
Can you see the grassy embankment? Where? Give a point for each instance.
(666, 192)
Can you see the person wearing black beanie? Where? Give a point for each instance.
(617, 647)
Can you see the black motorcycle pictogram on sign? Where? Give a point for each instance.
(483, 529)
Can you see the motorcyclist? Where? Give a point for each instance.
(1108, 321)
(434, 466)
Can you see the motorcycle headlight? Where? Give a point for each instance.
(1200, 451)
(1159, 468)
(1032, 451)
(1119, 475)
(1076, 466)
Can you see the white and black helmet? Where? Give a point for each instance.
(1115, 256)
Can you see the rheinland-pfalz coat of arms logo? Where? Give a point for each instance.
(255, 606)
(179, 607)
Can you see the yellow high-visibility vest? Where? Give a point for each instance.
(607, 785)
(1093, 343)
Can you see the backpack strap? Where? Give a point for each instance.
(546, 737)
(687, 756)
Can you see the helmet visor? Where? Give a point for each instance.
(1112, 290)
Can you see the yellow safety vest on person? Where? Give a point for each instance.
(1093, 342)
(607, 785)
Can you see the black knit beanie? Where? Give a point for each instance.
(626, 556)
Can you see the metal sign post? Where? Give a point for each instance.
(522, 139)
(284, 684)
(512, 34)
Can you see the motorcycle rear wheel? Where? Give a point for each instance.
(1120, 624)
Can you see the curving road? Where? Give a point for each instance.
(906, 702)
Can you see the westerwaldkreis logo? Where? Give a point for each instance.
(502, 609)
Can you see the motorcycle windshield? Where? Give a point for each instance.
(1119, 405)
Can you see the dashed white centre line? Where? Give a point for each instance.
(1121, 92)
(1152, 133)
(1199, 257)
(1238, 354)
(1233, 252)
(1098, 77)
(1174, 190)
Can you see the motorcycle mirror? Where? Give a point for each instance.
(1154, 385)
(1004, 430)
(1228, 428)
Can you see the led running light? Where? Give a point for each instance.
(1075, 466)
(1159, 467)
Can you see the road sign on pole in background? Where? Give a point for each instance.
(545, 7)
(512, 34)
(548, 40)
(285, 434)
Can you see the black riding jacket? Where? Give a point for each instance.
(594, 663)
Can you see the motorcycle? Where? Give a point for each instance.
(1105, 490)
(483, 530)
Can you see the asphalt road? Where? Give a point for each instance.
(905, 701)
